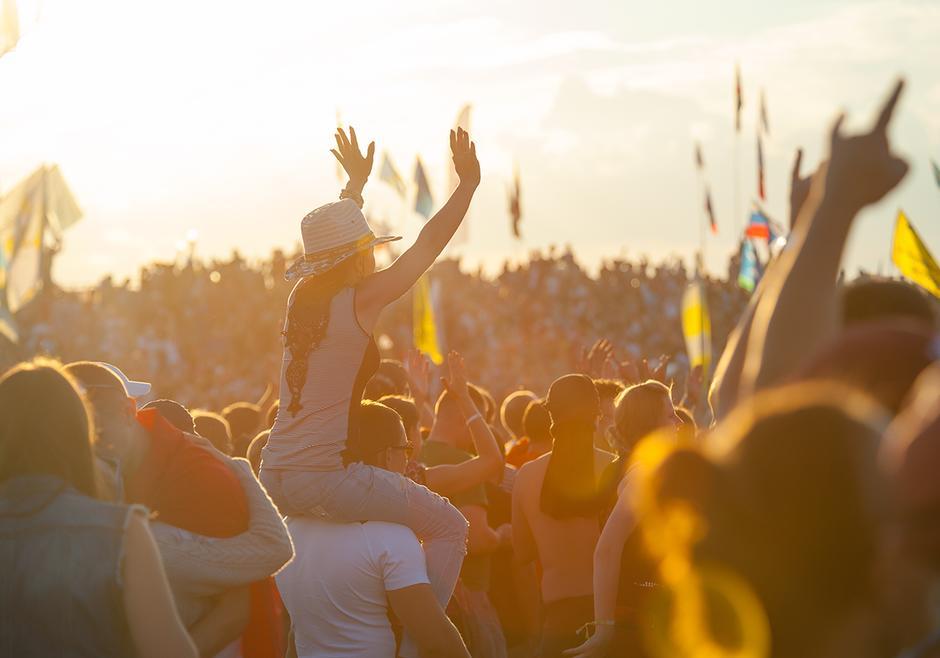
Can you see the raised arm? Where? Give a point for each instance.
(798, 311)
(357, 166)
(488, 464)
(382, 288)
(154, 625)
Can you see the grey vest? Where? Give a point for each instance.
(60, 563)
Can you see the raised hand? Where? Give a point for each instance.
(418, 368)
(465, 157)
(357, 166)
(457, 382)
(862, 169)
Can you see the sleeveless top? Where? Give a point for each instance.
(60, 572)
(337, 372)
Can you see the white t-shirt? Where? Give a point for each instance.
(334, 589)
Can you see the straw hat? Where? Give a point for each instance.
(331, 234)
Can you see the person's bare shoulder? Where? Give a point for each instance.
(531, 473)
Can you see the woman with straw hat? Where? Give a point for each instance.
(329, 355)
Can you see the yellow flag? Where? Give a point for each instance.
(9, 26)
(425, 328)
(697, 326)
(912, 257)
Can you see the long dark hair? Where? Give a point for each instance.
(570, 487)
(307, 319)
(45, 427)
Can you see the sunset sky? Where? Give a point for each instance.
(174, 117)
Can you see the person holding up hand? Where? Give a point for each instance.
(330, 354)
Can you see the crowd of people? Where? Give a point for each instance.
(548, 305)
(561, 486)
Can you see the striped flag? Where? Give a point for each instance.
(9, 26)
(697, 326)
(427, 339)
(390, 175)
(424, 202)
(758, 227)
(750, 270)
(738, 98)
(913, 258)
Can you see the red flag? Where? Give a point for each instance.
(712, 224)
(764, 123)
(738, 98)
(760, 167)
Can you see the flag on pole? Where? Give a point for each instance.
(697, 326)
(712, 224)
(764, 123)
(424, 202)
(758, 227)
(8, 328)
(515, 206)
(424, 322)
(750, 270)
(40, 206)
(738, 98)
(936, 172)
(9, 26)
(913, 258)
(761, 192)
(390, 175)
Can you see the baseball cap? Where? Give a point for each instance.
(134, 389)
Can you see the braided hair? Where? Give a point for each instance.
(307, 319)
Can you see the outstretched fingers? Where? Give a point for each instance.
(887, 110)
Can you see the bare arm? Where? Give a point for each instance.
(418, 369)
(607, 555)
(382, 288)
(425, 622)
(723, 394)
(155, 626)
(224, 624)
(481, 538)
(523, 543)
(798, 312)
(488, 464)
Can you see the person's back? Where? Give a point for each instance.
(565, 546)
(312, 436)
(61, 553)
(336, 587)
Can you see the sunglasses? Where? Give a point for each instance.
(408, 448)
